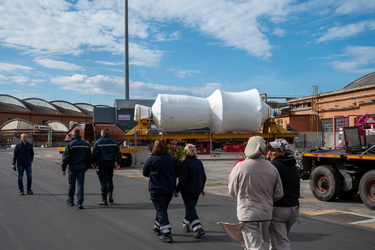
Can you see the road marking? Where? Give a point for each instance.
(217, 181)
(308, 200)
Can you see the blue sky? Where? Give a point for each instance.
(74, 50)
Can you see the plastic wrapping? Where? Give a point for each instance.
(180, 112)
(141, 112)
(237, 111)
(222, 112)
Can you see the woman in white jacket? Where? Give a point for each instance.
(256, 185)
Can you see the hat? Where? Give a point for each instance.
(255, 147)
(282, 145)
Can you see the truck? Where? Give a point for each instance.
(343, 172)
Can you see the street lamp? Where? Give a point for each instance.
(126, 51)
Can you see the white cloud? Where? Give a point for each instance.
(109, 85)
(356, 59)
(279, 32)
(84, 84)
(110, 63)
(64, 27)
(184, 73)
(349, 30)
(20, 80)
(9, 67)
(53, 64)
(166, 37)
(357, 6)
(142, 56)
(233, 23)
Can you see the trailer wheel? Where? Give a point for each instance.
(367, 189)
(127, 162)
(325, 183)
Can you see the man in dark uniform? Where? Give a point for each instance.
(77, 155)
(23, 156)
(106, 154)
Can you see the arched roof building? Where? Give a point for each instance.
(38, 116)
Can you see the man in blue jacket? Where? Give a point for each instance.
(23, 156)
(105, 155)
(77, 155)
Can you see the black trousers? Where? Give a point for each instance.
(105, 174)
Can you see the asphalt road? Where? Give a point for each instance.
(44, 221)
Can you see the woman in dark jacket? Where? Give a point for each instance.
(191, 184)
(285, 210)
(162, 171)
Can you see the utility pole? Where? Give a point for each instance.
(126, 50)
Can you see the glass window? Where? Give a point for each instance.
(11, 100)
(87, 107)
(40, 102)
(327, 125)
(66, 105)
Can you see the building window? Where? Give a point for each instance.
(341, 122)
(327, 125)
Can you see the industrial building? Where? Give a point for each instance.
(321, 116)
(47, 122)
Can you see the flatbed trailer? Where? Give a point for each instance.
(341, 173)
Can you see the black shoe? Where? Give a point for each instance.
(156, 231)
(70, 203)
(198, 233)
(22, 193)
(166, 238)
(186, 228)
(103, 203)
(30, 192)
(80, 206)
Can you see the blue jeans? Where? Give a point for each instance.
(161, 203)
(27, 169)
(76, 174)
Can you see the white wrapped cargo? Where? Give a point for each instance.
(180, 112)
(222, 112)
(237, 111)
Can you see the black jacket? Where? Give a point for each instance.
(192, 177)
(286, 165)
(106, 149)
(76, 152)
(23, 154)
(162, 171)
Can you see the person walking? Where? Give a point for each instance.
(106, 155)
(77, 155)
(285, 210)
(191, 184)
(256, 185)
(162, 171)
(22, 161)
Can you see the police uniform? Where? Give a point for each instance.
(77, 155)
(105, 154)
